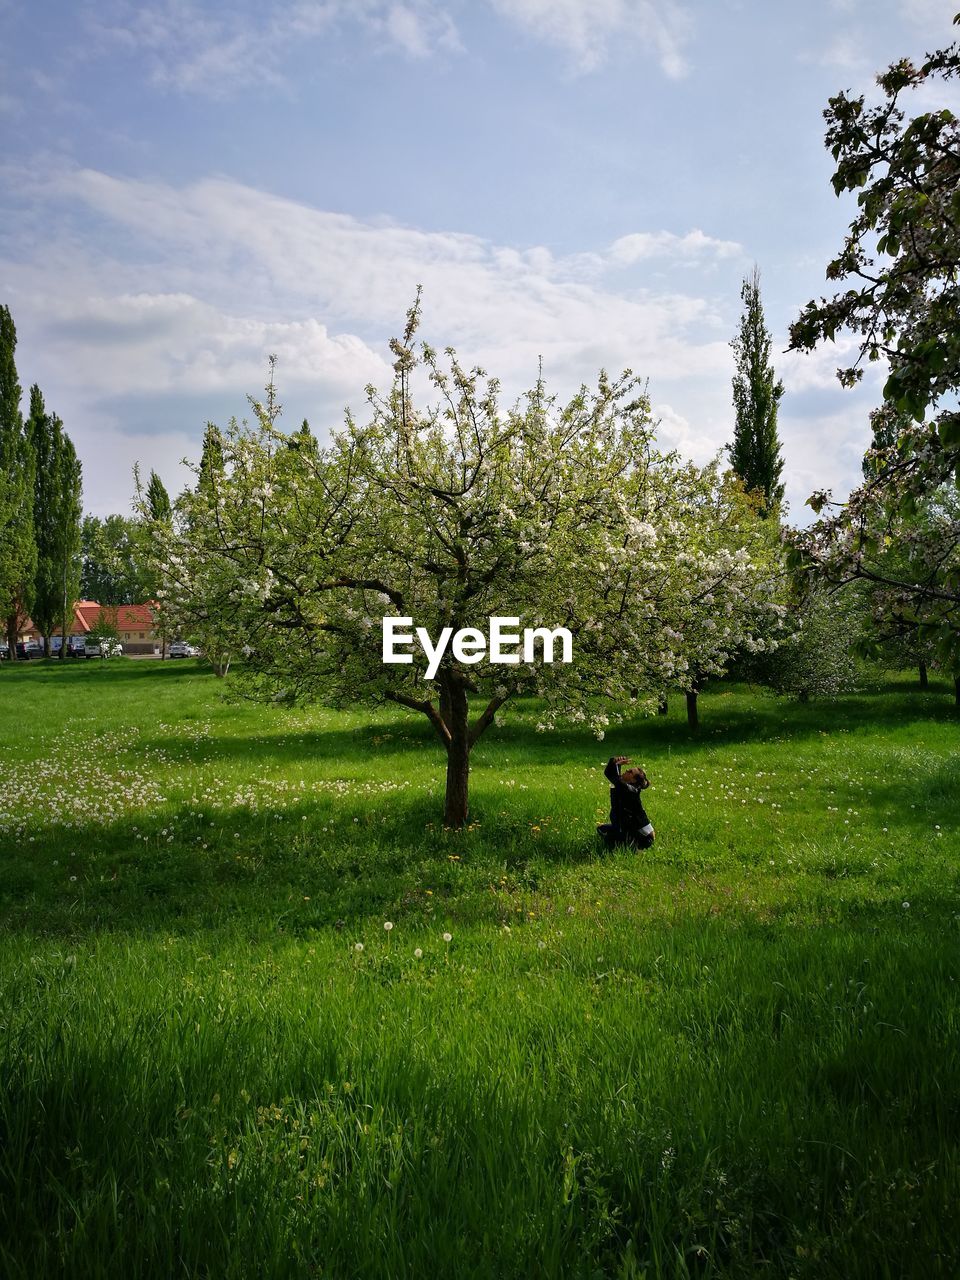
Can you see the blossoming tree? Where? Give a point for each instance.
(448, 515)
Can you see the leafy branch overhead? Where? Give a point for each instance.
(900, 260)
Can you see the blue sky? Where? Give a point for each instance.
(187, 187)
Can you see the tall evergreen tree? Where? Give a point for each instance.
(158, 500)
(755, 452)
(41, 430)
(18, 549)
(56, 518)
(157, 510)
(211, 460)
(70, 485)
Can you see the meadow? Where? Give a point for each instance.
(734, 1054)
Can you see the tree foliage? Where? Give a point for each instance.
(18, 550)
(557, 515)
(158, 500)
(115, 565)
(900, 260)
(56, 518)
(818, 660)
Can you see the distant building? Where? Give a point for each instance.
(135, 625)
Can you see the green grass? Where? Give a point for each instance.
(735, 1054)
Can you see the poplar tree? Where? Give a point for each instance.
(17, 544)
(755, 451)
(56, 519)
(70, 511)
(156, 512)
(158, 500)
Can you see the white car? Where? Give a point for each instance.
(102, 648)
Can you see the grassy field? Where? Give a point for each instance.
(735, 1054)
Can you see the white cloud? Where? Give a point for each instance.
(822, 452)
(817, 370)
(194, 47)
(109, 453)
(845, 52)
(586, 29)
(299, 262)
(160, 314)
(175, 342)
(641, 245)
(934, 16)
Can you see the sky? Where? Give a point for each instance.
(189, 186)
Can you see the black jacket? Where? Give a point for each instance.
(627, 813)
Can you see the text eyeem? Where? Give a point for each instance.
(471, 645)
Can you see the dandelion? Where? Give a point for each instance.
(388, 925)
(418, 953)
(906, 906)
(541, 944)
(448, 937)
(73, 878)
(358, 946)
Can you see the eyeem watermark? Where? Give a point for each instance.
(470, 645)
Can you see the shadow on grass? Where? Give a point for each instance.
(72, 671)
(768, 719)
(328, 860)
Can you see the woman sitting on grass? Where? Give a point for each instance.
(628, 823)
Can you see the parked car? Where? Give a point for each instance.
(102, 648)
(4, 650)
(29, 649)
(180, 649)
(76, 647)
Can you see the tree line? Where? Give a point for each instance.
(40, 506)
(50, 553)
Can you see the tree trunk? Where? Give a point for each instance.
(924, 682)
(221, 668)
(693, 715)
(803, 695)
(12, 631)
(454, 710)
(46, 646)
(663, 707)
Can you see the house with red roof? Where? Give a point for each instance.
(135, 624)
